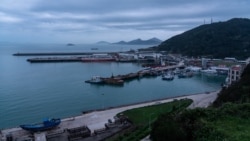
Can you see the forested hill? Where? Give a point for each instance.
(218, 40)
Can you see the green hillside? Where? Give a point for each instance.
(219, 40)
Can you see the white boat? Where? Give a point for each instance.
(167, 76)
(209, 71)
(95, 80)
(193, 69)
(185, 75)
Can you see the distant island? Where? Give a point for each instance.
(152, 41)
(70, 44)
(103, 42)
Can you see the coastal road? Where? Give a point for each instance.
(97, 119)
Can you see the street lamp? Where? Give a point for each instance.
(102, 101)
(149, 121)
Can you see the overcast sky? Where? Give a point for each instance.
(89, 21)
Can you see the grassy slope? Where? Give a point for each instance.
(234, 128)
(142, 118)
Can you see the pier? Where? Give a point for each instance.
(120, 79)
(54, 59)
(56, 53)
(86, 57)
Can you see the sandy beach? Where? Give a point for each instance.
(96, 119)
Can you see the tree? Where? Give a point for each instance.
(166, 129)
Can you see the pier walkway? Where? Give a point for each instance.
(120, 79)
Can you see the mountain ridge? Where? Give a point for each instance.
(103, 42)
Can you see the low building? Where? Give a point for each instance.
(234, 73)
(248, 60)
(230, 59)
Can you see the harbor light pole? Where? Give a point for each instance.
(102, 101)
(149, 121)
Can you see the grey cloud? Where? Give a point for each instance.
(106, 16)
(95, 6)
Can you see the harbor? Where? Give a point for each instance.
(155, 61)
(59, 90)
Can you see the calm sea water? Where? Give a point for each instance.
(31, 92)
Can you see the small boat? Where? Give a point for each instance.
(209, 71)
(185, 75)
(45, 125)
(95, 80)
(168, 76)
(182, 75)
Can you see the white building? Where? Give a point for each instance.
(204, 63)
(230, 59)
(248, 60)
(234, 73)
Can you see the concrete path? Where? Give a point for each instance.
(96, 120)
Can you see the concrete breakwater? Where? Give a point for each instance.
(67, 56)
(87, 57)
(54, 59)
(55, 53)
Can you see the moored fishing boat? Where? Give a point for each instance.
(167, 76)
(185, 75)
(209, 72)
(95, 80)
(45, 125)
